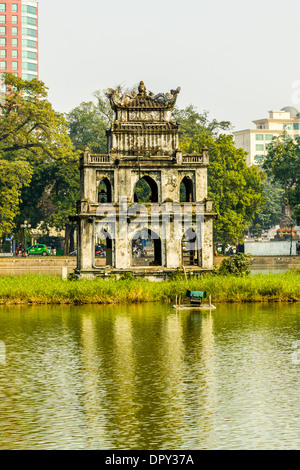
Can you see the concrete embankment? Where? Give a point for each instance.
(13, 266)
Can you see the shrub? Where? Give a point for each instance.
(238, 265)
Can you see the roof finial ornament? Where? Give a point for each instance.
(142, 89)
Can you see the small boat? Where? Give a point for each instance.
(196, 298)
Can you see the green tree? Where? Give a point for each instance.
(88, 123)
(235, 188)
(29, 123)
(35, 142)
(271, 210)
(87, 126)
(64, 195)
(282, 163)
(51, 196)
(13, 177)
(193, 124)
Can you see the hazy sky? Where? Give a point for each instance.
(237, 59)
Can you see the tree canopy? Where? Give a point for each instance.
(235, 188)
(282, 164)
(271, 210)
(193, 124)
(87, 127)
(14, 176)
(36, 156)
(88, 123)
(29, 123)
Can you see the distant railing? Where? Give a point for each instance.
(192, 159)
(100, 158)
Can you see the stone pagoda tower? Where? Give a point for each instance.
(144, 205)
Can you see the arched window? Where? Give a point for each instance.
(146, 190)
(186, 190)
(191, 251)
(104, 191)
(103, 249)
(146, 249)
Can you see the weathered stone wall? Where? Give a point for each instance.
(145, 145)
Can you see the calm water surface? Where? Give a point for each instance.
(146, 377)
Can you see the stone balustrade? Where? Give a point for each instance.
(99, 158)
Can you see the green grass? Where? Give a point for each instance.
(54, 290)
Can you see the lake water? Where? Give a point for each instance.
(146, 377)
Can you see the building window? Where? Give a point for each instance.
(15, 65)
(296, 126)
(259, 148)
(29, 55)
(29, 9)
(14, 7)
(27, 76)
(28, 32)
(29, 43)
(14, 19)
(14, 54)
(3, 64)
(14, 42)
(29, 66)
(28, 20)
(269, 136)
(2, 19)
(2, 30)
(259, 137)
(3, 42)
(2, 6)
(3, 53)
(14, 30)
(287, 126)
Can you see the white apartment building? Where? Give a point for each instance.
(255, 141)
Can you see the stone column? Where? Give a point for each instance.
(201, 184)
(170, 185)
(86, 236)
(122, 246)
(173, 244)
(207, 253)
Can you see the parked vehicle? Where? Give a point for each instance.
(98, 252)
(229, 250)
(38, 250)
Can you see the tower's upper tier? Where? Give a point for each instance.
(142, 106)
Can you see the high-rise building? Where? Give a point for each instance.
(19, 38)
(256, 141)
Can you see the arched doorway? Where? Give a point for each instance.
(146, 249)
(104, 191)
(103, 248)
(186, 190)
(146, 190)
(191, 251)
